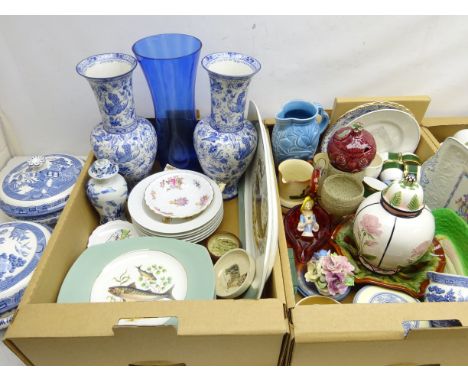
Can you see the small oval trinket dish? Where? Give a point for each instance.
(234, 273)
(317, 300)
(220, 243)
(112, 231)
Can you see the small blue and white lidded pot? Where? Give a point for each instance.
(225, 142)
(107, 190)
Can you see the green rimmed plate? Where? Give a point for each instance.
(140, 269)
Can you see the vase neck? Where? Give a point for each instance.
(116, 103)
(228, 97)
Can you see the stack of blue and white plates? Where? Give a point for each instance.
(21, 246)
(38, 189)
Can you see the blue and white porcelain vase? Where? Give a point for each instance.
(122, 137)
(297, 131)
(225, 142)
(107, 190)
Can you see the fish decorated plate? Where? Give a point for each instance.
(140, 269)
(412, 280)
(178, 194)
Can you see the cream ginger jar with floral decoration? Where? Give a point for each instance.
(393, 228)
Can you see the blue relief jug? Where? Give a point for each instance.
(297, 132)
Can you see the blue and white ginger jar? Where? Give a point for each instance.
(107, 190)
(122, 137)
(225, 142)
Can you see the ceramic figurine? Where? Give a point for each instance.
(121, 137)
(351, 149)
(297, 131)
(225, 142)
(107, 190)
(307, 221)
(446, 288)
(393, 228)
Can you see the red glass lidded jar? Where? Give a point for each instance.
(351, 149)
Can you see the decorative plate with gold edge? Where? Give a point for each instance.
(412, 280)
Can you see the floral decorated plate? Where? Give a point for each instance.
(376, 295)
(112, 231)
(412, 280)
(140, 269)
(178, 194)
(21, 246)
(444, 178)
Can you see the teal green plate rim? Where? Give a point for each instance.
(89, 265)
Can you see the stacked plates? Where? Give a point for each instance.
(37, 190)
(193, 200)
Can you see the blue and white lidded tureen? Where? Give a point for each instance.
(39, 188)
(21, 246)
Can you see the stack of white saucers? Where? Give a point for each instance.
(150, 205)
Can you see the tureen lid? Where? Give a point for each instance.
(21, 246)
(103, 169)
(40, 185)
(404, 195)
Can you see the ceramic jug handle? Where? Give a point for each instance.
(325, 118)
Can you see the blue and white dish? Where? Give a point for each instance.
(40, 186)
(225, 142)
(122, 137)
(446, 288)
(6, 318)
(376, 295)
(21, 246)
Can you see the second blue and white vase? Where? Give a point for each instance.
(225, 142)
(122, 137)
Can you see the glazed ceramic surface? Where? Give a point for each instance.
(6, 318)
(297, 131)
(107, 190)
(222, 242)
(294, 176)
(185, 264)
(376, 295)
(351, 149)
(225, 142)
(21, 246)
(446, 288)
(40, 187)
(196, 228)
(234, 273)
(445, 178)
(347, 118)
(260, 209)
(462, 136)
(178, 194)
(375, 167)
(122, 137)
(112, 231)
(412, 280)
(393, 229)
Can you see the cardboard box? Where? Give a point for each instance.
(365, 334)
(216, 332)
(440, 128)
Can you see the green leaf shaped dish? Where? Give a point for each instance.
(412, 280)
(452, 232)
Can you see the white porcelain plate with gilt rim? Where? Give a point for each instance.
(178, 194)
(444, 178)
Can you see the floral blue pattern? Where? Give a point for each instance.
(122, 137)
(22, 245)
(225, 142)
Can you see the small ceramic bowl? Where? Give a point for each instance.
(341, 194)
(391, 170)
(373, 170)
(372, 185)
(220, 243)
(234, 272)
(317, 300)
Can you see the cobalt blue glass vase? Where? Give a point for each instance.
(121, 137)
(225, 141)
(169, 62)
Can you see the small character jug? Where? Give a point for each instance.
(297, 130)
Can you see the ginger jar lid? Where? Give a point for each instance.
(103, 169)
(352, 149)
(40, 185)
(21, 246)
(404, 195)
